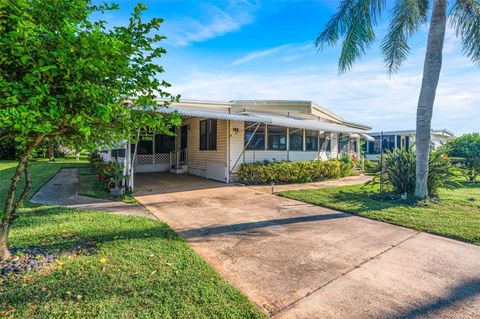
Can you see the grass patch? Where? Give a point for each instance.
(91, 186)
(41, 171)
(139, 268)
(456, 215)
(87, 171)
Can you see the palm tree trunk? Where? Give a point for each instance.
(431, 74)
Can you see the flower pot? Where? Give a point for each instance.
(117, 191)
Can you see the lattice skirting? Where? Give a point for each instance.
(160, 158)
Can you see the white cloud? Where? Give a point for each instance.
(259, 54)
(214, 22)
(367, 94)
(286, 52)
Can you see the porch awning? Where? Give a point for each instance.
(265, 118)
(363, 135)
(309, 124)
(214, 114)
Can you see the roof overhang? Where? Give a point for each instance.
(264, 118)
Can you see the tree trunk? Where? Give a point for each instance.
(10, 204)
(431, 74)
(51, 153)
(4, 252)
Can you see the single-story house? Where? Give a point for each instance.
(403, 139)
(215, 138)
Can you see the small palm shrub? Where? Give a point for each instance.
(294, 172)
(400, 172)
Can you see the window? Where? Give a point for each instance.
(164, 143)
(325, 142)
(311, 140)
(296, 139)
(145, 145)
(277, 138)
(388, 142)
(370, 147)
(208, 135)
(118, 153)
(257, 141)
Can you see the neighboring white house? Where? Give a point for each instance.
(402, 139)
(215, 138)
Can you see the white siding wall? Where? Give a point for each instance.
(197, 159)
(237, 144)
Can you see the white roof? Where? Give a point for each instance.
(264, 118)
(212, 114)
(308, 124)
(443, 132)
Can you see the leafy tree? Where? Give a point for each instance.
(65, 75)
(467, 147)
(355, 21)
(8, 149)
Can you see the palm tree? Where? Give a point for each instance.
(355, 21)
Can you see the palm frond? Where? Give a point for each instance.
(407, 15)
(465, 18)
(354, 22)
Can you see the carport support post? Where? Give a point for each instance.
(132, 168)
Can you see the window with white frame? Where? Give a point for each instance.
(295, 136)
(257, 140)
(311, 140)
(208, 135)
(277, 137)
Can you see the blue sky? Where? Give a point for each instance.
(227, 50)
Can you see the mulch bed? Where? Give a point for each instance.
(33, 258)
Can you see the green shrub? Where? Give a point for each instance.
(441, 173)
(347, 165)
(294, 172)
(466, 151)
(400, 172)
(371, 167)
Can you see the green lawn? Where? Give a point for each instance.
(139, 268)
(91, 186)
(457, 215)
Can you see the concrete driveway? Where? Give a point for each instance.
(296, 260)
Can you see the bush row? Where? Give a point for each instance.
(294, 172)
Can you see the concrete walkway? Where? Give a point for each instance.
(346, 181)
(297, 260)
(62, 190)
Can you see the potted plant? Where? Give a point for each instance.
(116, 179)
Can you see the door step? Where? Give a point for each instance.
(182, 169)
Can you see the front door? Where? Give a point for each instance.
(183, 143)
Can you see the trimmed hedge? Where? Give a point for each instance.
(294, 172)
